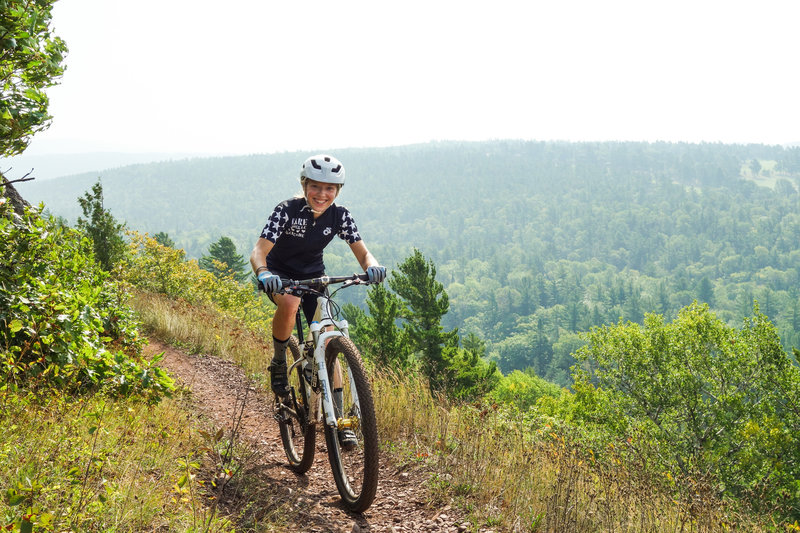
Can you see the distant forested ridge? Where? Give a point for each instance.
(534, 241)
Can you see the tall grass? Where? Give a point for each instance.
(97, 464)
(202, 328)
(528, 474)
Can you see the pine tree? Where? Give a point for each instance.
(101, 227)
(377, 333)
(164, 239)
(705, 291)
(467, 376)
(425, 302)
(222, 260)
(474, 344)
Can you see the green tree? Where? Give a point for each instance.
(102, 228)
(164, 239)
(755, 167)
(632, 305)
(705, 291)
(222, 260)
(467, 376)
(722, 403)
(30, 61)
(474, 344)
(425, 302)
(377, 333)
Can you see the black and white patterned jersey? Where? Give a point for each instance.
(300, 238)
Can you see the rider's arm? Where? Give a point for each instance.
(269, 236)
(364, 257)
(258, 257)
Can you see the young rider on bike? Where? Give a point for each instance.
(291, 246)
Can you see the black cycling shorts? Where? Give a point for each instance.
(308, 302)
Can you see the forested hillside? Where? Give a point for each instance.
(533, 241)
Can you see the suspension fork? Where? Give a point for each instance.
(323, 320)
(321, 339)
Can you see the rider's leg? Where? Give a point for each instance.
(338, 393)
(282, 324)
(337, 375)
(283, 320)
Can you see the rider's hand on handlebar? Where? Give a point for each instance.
(272, 283)
(376, 274)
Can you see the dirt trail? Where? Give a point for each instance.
(218, 388)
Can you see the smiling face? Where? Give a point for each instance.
(319, 195)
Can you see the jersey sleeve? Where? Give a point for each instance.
(348, 231)
(276, 223)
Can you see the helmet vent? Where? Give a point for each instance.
(322, 168)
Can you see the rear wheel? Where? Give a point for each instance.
(298, 431)
(355, 468)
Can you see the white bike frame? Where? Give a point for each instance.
(320, 337)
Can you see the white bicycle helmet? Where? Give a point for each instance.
(323, 168)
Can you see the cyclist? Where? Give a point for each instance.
(291, 246)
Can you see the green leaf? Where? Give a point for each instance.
(15, 325)
(46, 519)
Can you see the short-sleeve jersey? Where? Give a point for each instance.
(299, 238)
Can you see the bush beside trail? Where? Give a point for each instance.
(64, 322)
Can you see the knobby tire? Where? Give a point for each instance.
(356, 470)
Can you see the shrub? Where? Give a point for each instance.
(154, 268)
(721, 403)
(523, 389)
(63, 322)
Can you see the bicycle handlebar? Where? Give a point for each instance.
(323, 281)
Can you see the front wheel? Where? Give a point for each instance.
(355, 461)
(298, 431)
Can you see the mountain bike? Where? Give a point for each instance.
(317, 368)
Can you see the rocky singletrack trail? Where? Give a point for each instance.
(222, 394)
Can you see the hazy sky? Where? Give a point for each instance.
(256, 76)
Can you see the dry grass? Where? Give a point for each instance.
(518, 475)
(203, 329)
